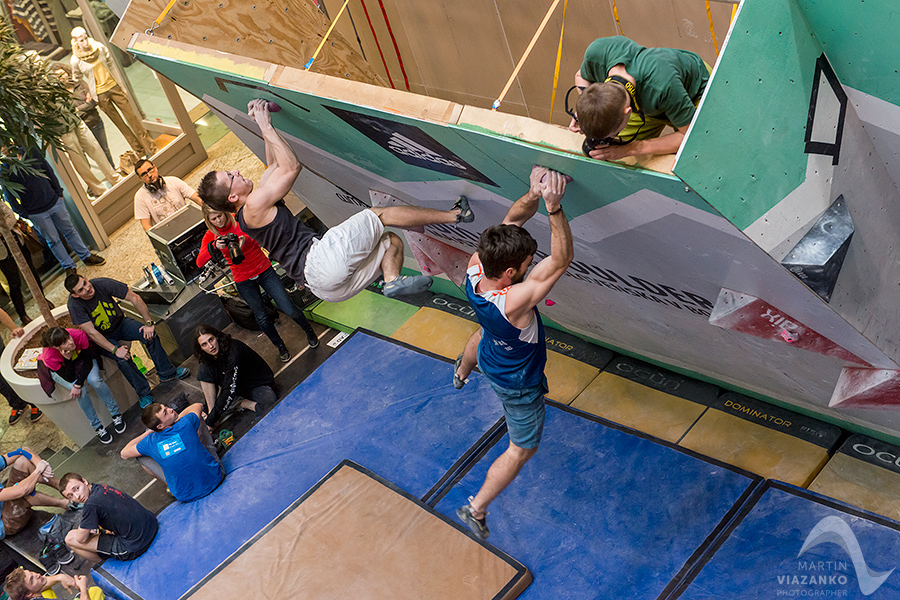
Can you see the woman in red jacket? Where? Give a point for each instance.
(251, 276)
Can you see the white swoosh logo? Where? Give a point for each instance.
(836, 531)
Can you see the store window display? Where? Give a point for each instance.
(91, 61)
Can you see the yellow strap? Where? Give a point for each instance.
(512, 77)
(325, 37)
(161, 16)
(562, 29)
(616, 15)
(712, 29)
(733, 11)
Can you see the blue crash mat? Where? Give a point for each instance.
(374, 402)
(792, 543)
(604, 513)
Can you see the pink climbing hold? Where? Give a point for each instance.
(549, 302)
(273, 107)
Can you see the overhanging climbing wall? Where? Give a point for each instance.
(651, 254)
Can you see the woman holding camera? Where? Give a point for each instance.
(252, 273)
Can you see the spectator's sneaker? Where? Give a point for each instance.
(119, 426)
(71, 271)
(49, 562)
(312, 340)
(477, 526)
(15, 415)
(457, 382)
(93, 260)
(62, 554)
(180, 373)
(406, 285)
(104, 435)
(465, 211)
(36, 414)
(146, 400)
(284, 355)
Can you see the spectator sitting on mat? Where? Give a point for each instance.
(181, 450)
(231, 374)
(70, 359)
(93, 307)
(19, 495)
(158, 199)
(252, 275)
(628, 94)
(128, 528)
(349, 256)
(22, 584)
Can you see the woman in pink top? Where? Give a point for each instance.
(70, 359)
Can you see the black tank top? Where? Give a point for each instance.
(286, 238)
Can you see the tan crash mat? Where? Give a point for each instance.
(646, 397)
(435, 331)
(567, 377)
(865, 472)
(637, 406)
(355, 535)
(764, 439)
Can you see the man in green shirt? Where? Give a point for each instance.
(629, 94)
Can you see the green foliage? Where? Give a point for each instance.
(35, 107)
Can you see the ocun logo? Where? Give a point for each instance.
(835, 531)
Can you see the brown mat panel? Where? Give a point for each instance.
(635, 405)
(864, 473)
(436, 331)
(355, 535)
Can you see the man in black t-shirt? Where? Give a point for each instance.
(93, 307)
(127, 527)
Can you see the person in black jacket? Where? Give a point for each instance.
(40, 202)
(231, 374)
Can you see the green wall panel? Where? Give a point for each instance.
(860, 40)
(745, 152)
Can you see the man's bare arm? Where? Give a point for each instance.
(524, 296)
(525, 207)
(282, 168)
(130, 450)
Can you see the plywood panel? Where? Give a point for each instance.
(284, 32)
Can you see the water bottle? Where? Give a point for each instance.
(156, 274)
(149, 276)
(138, 363)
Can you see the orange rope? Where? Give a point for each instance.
(616, 15)
(161, 16)
(562, 29)
(712, 29)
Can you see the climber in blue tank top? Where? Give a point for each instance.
(510, 348)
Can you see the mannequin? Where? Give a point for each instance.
(92, 62)
(80, 142)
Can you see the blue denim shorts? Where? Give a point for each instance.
(524, 412)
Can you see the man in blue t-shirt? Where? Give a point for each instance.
(510, 345)
(175, 441)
